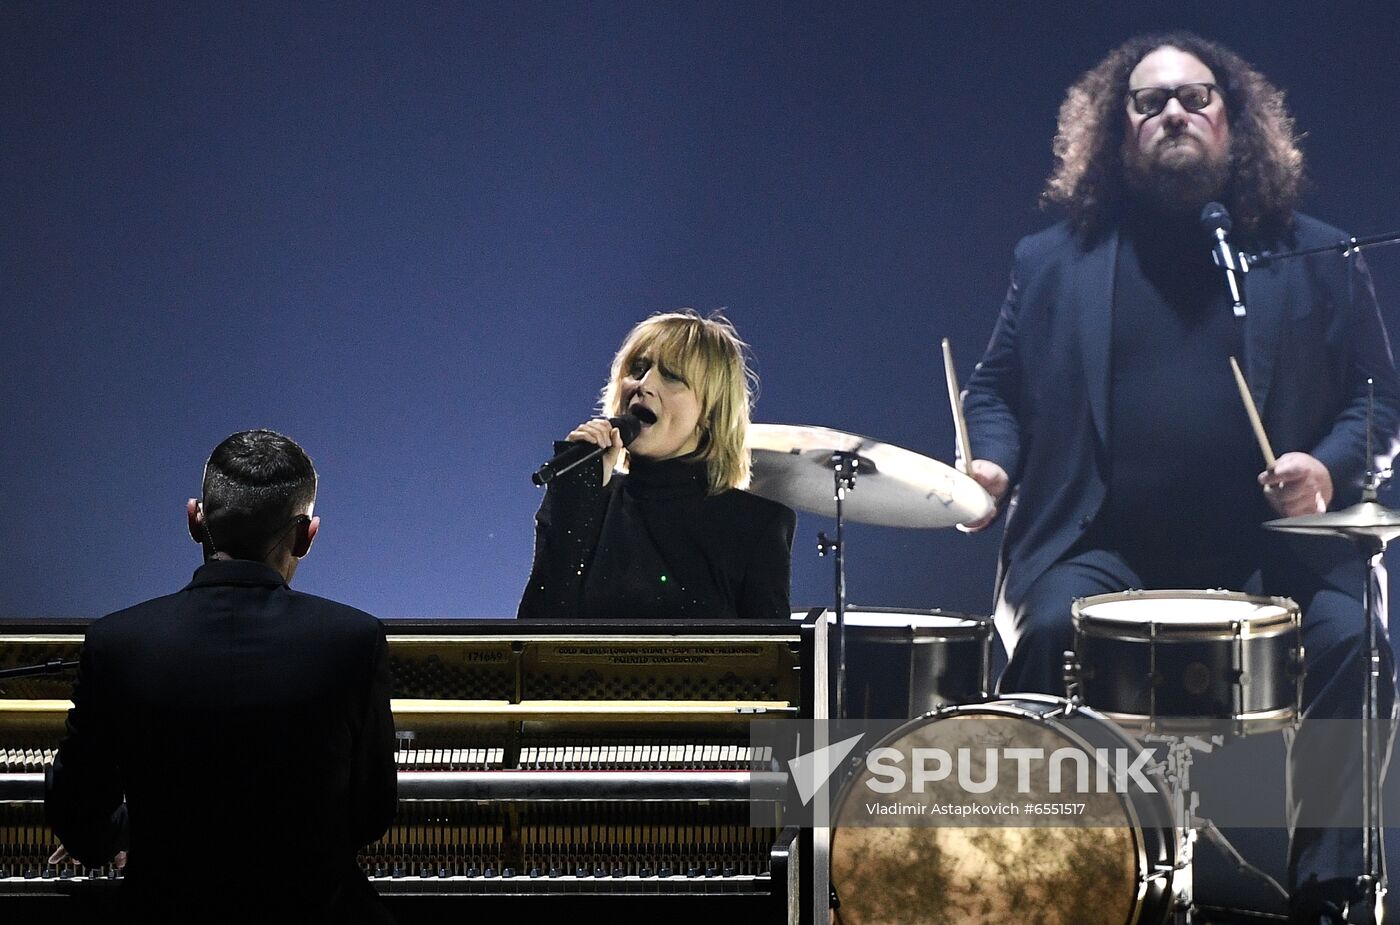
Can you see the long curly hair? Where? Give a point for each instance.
(1266, 165)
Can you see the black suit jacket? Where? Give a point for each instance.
(248, 727)
(1037, 403)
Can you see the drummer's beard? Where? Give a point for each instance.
(1172, 189)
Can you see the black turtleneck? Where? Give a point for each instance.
(652, 544)
(1182, 460)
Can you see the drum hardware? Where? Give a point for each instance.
(1072, 672)
(1185, 802)
(1190, 825)
(844, 467)
(815, 469)
(1371, 526)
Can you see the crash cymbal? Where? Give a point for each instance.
(1368, 518)
(894, 487)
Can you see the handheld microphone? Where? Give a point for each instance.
(579, 451)
(1216, 222)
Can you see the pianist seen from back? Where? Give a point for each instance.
(662, 528)
(234, 721)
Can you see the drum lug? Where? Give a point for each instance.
(1071, 675)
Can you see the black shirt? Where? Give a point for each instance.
(652, 544)
(1182, 459)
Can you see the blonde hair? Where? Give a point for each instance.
(708, 353)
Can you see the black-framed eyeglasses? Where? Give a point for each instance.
(1149, 101)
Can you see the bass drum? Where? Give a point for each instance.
(1110, 862)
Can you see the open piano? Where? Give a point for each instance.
(600, 769)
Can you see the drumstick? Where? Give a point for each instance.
(1253, 413)
(955, 401)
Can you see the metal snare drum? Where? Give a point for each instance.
(1113, 864)
(1190, 661)
(904, 663)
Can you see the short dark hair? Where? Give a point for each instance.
(255, 482)
(1266, 163)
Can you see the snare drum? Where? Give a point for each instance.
(1113, 862)
(1190, 661)
(904, 663)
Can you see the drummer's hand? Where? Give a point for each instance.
(1297, 484)
(601, 432)
(995, 480)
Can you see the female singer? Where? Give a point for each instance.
(661, 528)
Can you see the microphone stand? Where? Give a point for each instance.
(1372, 882)
(1347, 247)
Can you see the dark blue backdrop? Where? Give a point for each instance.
(411, 235)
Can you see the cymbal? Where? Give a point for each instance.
(1368, 518)
(894, 487)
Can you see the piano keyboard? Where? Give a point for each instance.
(450, 759)
(689, 756)
(25, 760)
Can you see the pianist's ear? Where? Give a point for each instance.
(196, 520)
(305, 535)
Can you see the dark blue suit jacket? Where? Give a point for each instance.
(1038, 402)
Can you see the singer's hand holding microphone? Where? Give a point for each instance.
(600, 432)
(605, 437)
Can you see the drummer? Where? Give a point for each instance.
(1105, 417)
(662, 528)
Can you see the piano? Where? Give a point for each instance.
(601, 769)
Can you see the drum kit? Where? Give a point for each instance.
(1176, 668)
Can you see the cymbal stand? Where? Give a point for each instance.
(1372, 883)
(843, 471)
